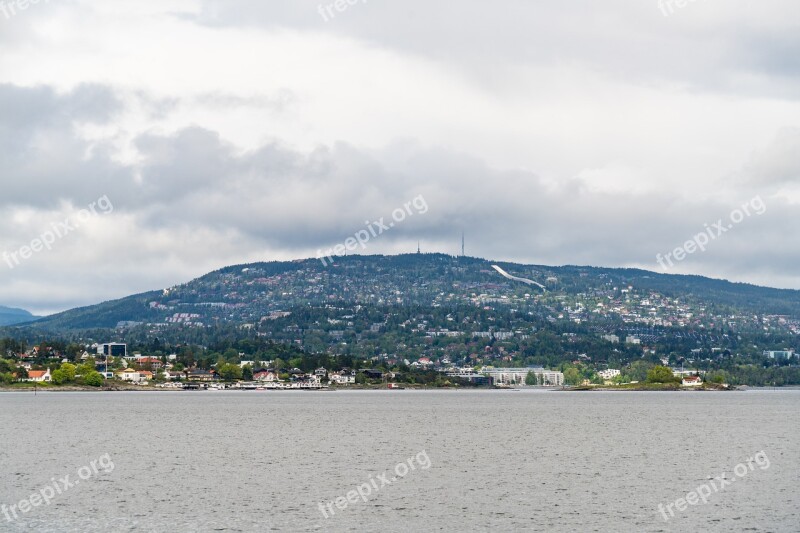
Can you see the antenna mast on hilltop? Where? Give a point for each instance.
(462, 245)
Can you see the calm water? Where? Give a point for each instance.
(498, 460)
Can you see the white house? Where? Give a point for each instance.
(171, 375)
(691, 381)
(39, 376)
(611, 373)
(129, 374)
(342, 378)
(266, 376)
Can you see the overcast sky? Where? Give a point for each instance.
(211, 133)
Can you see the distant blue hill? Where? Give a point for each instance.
(10, 316)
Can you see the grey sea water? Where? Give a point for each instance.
(498, 460)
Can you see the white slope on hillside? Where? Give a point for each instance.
(515, 278)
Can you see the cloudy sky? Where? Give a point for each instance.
(196, 134)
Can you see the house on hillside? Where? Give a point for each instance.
(154, 362)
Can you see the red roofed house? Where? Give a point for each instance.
(154, 362)
(39, 375)
(266, 375)
(691, 381)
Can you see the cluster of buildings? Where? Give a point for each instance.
(508, 376)
(689, 378)
(262, 377)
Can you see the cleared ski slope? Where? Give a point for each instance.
(515, 278)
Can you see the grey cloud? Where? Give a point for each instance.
(778, 164)
(293, 201)
(703, 46)
(42, 160)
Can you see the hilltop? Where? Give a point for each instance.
(10, 316)
(248, 293)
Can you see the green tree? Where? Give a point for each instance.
(660, 374)
(85, 368)
(637, 371)
(69, 371)
(231, 355)
(59, 377)
(93, 379)
(530, 379)
(718, 376)
(230, 372)
(572, 376)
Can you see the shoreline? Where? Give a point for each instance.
(137, 388)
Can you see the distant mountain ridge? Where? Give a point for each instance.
(246, 294)
(10, 316)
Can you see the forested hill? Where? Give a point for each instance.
(10, 315)
(248, 293)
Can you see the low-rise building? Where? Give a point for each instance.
(172, 375)
(39, 376)
(266, 376)
(153, 362)
(691, 381)
(129, 374)
(517, 376)
(611, 373)
(202, 375)
(342, 378)
(779, 354)
(468, 374)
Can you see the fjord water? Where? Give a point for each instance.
(499, 460)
